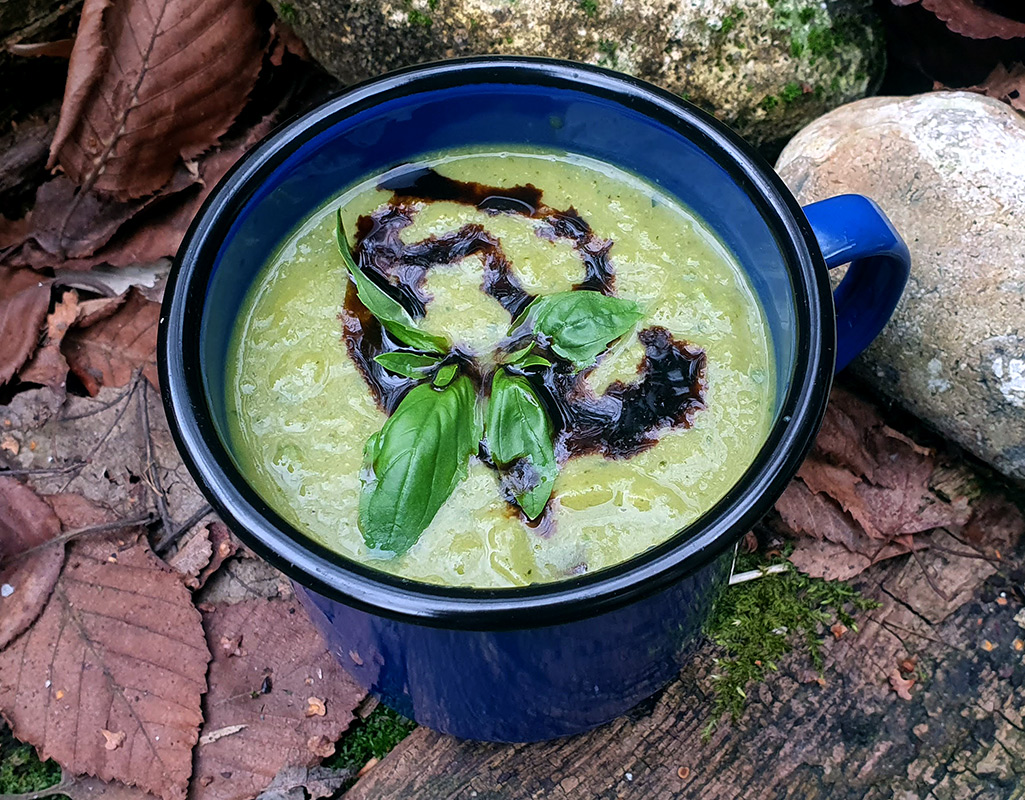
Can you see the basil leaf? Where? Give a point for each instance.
(516, 355)
(520, 439)
(445, 375)
(415, 462)
(390, 313)
(580, 324)
(532, 361)
(409, 365)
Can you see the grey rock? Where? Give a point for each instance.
(765, 68)
(949, 170)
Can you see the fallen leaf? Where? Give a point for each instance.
(24, 300)
(124, 644)
(22, 155)
(26, 522)
(92, 311)
(83, 787)
(970, 19)
(908, 664)
(902, 686)
(864, 487)
(285, 40)
(192, 557)
(280, 643)
(300, 783)
(996, 523)
(113, 740)
(149, 84)
(224, 546)
(109, 352)
(838, 629)
(315, 707)
(1006, 85)
(242, 579)
(10, 444)
(48, 366)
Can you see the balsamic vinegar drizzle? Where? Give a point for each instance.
(621, 422)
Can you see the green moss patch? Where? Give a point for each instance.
(758, 622)
(373, 737)
(20, 768)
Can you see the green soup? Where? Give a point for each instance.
(633, 469)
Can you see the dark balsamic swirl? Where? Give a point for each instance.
(624, 420)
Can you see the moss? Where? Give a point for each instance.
(287, 12)
(432, 4)
(728, 24)
(806, 15)
(791, 92)
(20, 767)
(769, 102)
(758, 622)
(373, 737)
(589, 7)
(796, 48)
(419, 18)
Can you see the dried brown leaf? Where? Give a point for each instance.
(224, 547)
(92, 311)
(280, 643)
(23, 153)
(109, 352)
(48, 366)
(970, 19)
(149, 83)
(26, 522)
(1007, 85)
(902, 686)
(119, 647)
(97, 447)
(24, 300)
(83, 787)
(192, 557)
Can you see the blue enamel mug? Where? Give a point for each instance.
(553, 659)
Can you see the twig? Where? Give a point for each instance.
(100, 409)
(67, 536)
(152, 472)
(58, 788)
(171, 536)
(44, 470)
(754, 574)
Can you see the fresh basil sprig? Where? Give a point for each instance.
(445, 375)
(389, 312)
(414, 463)
(408, 365)
(519, 435)
(580, 324)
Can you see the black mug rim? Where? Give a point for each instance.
(536, 605)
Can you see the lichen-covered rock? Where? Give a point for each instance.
(766, 67)
(949, 170)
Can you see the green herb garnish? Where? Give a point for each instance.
(415, 462)
(520, 437)
(580, 324)
(408, 365)
(389, 312)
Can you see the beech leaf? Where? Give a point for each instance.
(26, 522)
(109, 352)
(283, 661)
(970, 19)
(150, 83)
(119, 647)
(24, 299)
(48, 366)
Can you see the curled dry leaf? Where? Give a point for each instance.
(280, 643)
(109, 352)
(193, 557)
(969, 18)
(24, 300)
(864, 488)
(1007, 85)
(149, 83)
(902, 686)
(315, 707)
(26, 522)
(114, 739)
(118, 647)
(321, 746)
(48, 366)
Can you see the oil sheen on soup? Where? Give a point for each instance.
(508, 265)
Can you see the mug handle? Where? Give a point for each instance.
(851, 229)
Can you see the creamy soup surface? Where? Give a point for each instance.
(301, 411)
